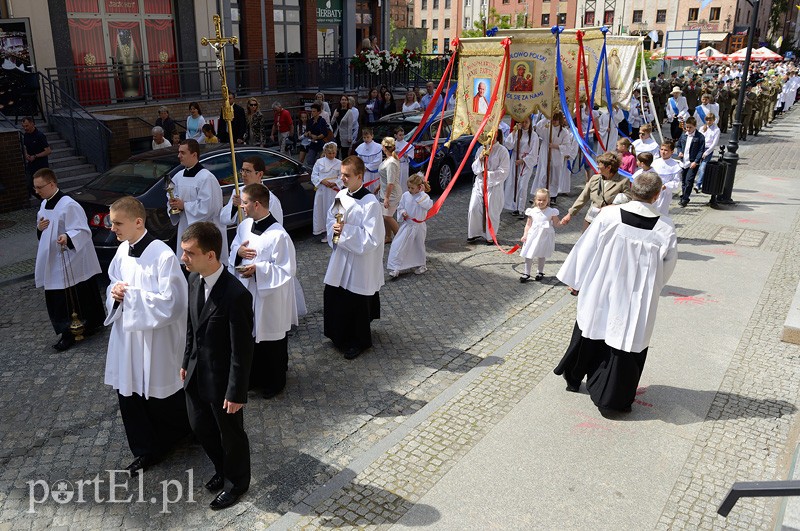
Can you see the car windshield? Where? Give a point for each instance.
(132, 178)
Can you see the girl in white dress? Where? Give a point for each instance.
(408, 247)
(325, 177)
(539, 237)
(670, 171)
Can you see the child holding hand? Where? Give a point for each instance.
(539, 236)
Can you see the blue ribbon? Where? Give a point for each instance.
(582, 143)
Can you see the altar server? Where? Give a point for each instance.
(253, 169)
(355, 270)
(66, 262)
(496, 161)
(197, 195)
(523, 142)
(147, 302)
(371, 153)
(550, 155)
(325, 177)
(264, 257)
(408, 247)
(670, 171)
(619, 266)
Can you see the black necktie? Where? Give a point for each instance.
(130, 251)
(201, 297)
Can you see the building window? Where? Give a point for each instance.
(467, 23)
(424, 5)
(562, 19)
(446, 44)
(125, 34)
(545, 19)
(588, 18)
(446, 26)
(637, 15)
(436, 4)
(424, 23)
(436, 23)
(483, 3)
(608, 18)
(506, 1)
(714, 14)
(447, 4)
(467, 3)
(661, 15)
(694, 12)
(435, 46)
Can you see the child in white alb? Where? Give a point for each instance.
(408, 247)
(670, 171)
(539, 237)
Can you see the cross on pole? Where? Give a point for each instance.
(218, 45)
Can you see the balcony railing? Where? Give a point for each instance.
(109, 84)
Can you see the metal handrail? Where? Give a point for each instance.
(757, 489)
(73, 103)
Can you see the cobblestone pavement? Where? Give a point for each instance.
(60, 422)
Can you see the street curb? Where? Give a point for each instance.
(14, 280)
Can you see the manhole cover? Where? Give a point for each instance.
(449, 245)
(5, 224)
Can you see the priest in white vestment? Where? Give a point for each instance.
(252, 172)
(197, 195)
(619, 267)
(496, 161)
(147, 302)
(325, 177)
(66, 262)
(263, 256)
(523, 142)
(355, 270)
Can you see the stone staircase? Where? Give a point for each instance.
(72, 169)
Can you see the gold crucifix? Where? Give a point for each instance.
(218, 44)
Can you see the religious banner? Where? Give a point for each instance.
(482, 75)
(532, 84)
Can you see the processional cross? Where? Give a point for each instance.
(218, 44)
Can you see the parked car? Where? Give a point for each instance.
(447, 158)
(144, 177)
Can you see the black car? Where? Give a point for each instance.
(447, 158)
(143, 176)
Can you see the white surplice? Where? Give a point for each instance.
(328, 171)
(619, 271)
(356, 263)
(371, 154)
(497, 165)
(229, 215)
(202, 201)
(273, 285)
(671, 173)
(519, 176)
(647, 146)
(408, 245)
(66, 218)
(148, 336)
(558, 165)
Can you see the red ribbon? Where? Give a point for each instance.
(582, 66)
(448, 73)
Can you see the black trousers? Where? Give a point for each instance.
(270, 364)
(675, 129)
(347, 317)
(154, 425)
(89, 305)
(223, 438)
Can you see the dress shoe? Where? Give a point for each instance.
(489, 242)
(65, 342)
(272, 392)
(515, 212)
(352, 353)
(140, 463)
(473, 239)
(223, 500)
(216, 483)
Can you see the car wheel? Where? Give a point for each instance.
(443, 176)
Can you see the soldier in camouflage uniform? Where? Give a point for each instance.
(747, 112)
(723, 98)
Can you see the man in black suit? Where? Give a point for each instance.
(216, 363)
(690, 147)
(238, 124)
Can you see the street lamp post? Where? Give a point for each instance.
(731, 157)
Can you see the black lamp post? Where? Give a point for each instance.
(731, 157)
